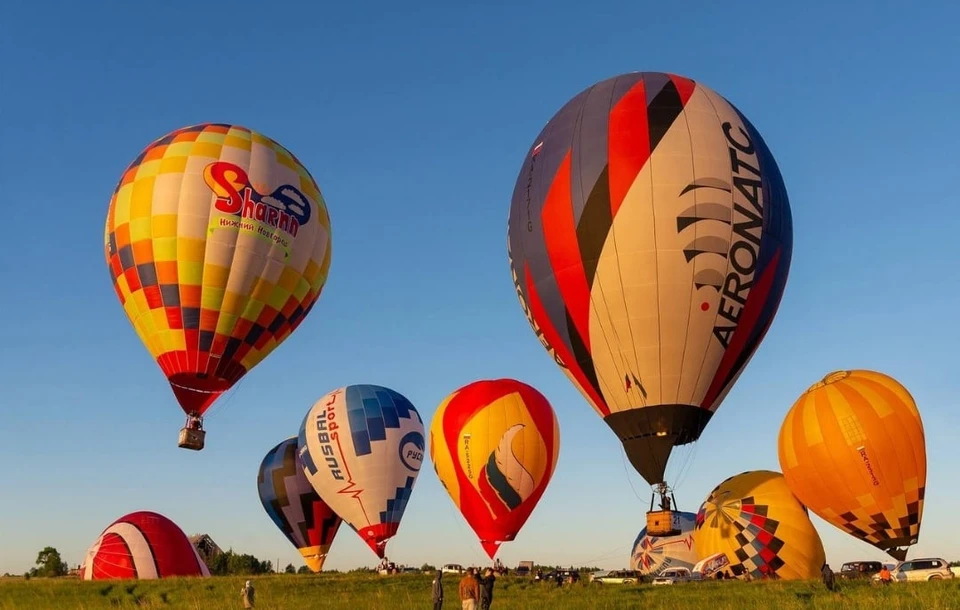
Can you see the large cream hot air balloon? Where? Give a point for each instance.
(650, 239)
(218, 244)
(761, 527)
(852, 449)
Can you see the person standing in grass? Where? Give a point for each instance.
(247, 593)
(438, 591)
(469, 591)
(885, 575)
(486, 589)
(827, 574)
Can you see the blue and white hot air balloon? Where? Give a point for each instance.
(362, 447)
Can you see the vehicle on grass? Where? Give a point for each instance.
(615, 577)
(927, 568)
(524, 569)
(567, 577)
(672, 576)
(856, 570)
(452, 568)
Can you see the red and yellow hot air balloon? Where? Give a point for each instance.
(852, 450)
(218, 244)
(494, 445)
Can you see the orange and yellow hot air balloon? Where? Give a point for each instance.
(218, 245)
(494, 445)
(755, 521)
(852, 449)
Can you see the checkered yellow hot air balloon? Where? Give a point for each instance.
(760, 526)
(852, 449)
(218, 244)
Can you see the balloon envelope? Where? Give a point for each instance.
(852, 449)
(362, 448)
(653, 554)
(494, 445)
(218, 244)
(761, 527)
(650, 238)
(143, 545)
(293, 505)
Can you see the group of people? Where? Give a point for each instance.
(830, 582)
(475, 589)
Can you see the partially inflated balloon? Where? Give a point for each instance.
(652, 555)
(650, 238)
(294, 506)
(852, 449)
(362, 448)
(218, 245)
(143, 545)
(761, 527)
(494, 445)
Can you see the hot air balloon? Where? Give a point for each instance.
(652, 555)
(761, 527)
(852, 449)
(294, 506)
(649, 240)
(143, 545)
(218, 244)
(362, 448)
(494, 445)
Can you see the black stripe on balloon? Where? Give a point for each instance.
(280, 490)
(327, 528)
(594, 225)
(306, 506)
(663, 110)
(582, 356)
(500, 484)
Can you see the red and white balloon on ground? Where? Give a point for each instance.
(142, 545)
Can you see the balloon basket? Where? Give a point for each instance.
(191, 438)
(663, 523)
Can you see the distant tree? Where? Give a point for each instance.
(428, 568)
(290, 569)
(49, 563)
(955, 564)
(303, 570)
(244, 564)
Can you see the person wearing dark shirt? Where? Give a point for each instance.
(438, 590)
(486, 589)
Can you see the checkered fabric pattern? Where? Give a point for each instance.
(210, 300)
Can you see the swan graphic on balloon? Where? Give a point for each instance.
(494, 445)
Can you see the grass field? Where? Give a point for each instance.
(412, 591)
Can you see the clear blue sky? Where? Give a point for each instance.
(414, 120)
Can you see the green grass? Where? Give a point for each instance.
(412, 591)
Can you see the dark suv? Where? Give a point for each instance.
(860, 569)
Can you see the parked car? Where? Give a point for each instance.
(926, 568)
(616, 577)
(855, 570)
(672, 576)
(452, 568)
(567, 576)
